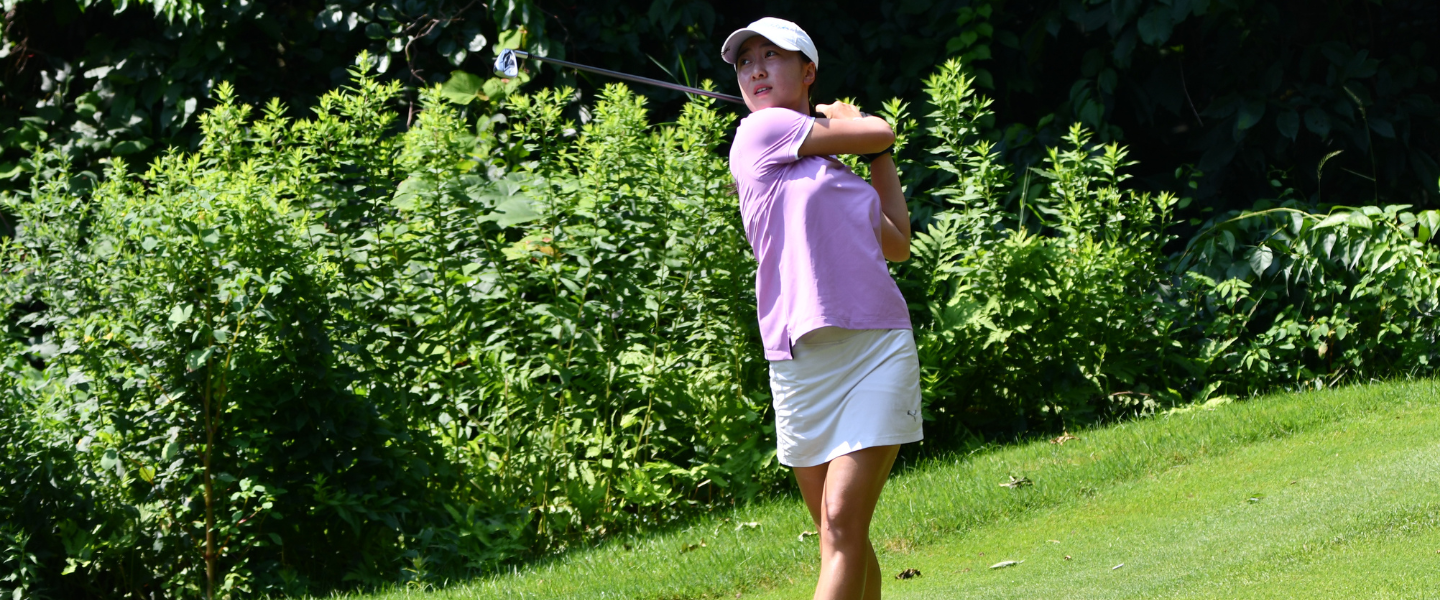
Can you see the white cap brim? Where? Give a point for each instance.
(782, 33)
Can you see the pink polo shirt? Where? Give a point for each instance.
(814, 226)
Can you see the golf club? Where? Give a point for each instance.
(507, 65)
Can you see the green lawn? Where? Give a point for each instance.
(1332, 494)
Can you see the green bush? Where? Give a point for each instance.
(95, 79)
(603, 318)
(189, 360)
(1036, 315)
(1285, 296)
(316, 351)
(1065, 307)
(325, 352)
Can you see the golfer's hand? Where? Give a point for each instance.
(839, 110)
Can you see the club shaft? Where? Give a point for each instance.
(635, 78)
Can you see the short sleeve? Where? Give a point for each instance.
(767, 139)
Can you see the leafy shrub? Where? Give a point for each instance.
(608, 306)
(1067, 305)
(1025, 325)
(323, 352)
(94, 79)
(186, 356)
(38, 483)
(1283, 296)
(315, 351)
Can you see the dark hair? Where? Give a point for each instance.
(805, 61)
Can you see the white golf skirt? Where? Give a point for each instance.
(844, 390)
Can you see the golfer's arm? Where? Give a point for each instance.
(847, 136)
(895, 230)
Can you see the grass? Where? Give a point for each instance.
(1323, 494)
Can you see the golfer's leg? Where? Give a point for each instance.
(812, 487)
(872, 575)
(852, 487)
(872, 571)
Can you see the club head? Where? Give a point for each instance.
(506, 64)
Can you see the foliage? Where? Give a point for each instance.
(616, 372)
(96, 79)
(1233, 88)
(184, 10)
(1227, 89)
(184, 352)
(1026, 324)
(1070, 307)
(319, 352)
(1286, 297)
(35, 458)
(314, 351)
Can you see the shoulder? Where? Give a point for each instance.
(768, 139)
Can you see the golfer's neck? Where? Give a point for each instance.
(800, 105)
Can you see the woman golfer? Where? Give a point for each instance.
(843, 368)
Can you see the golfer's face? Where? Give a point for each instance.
(772, 76)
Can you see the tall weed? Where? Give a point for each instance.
(1036, 318)
(1066, 307)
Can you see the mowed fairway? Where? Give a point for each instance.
(1350, 510)
(1332, 494)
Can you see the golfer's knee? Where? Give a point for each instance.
(843, 528)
